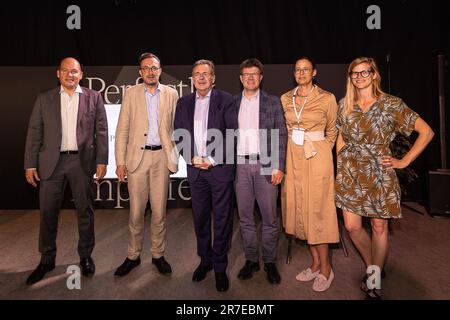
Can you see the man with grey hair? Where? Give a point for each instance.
(207, 114)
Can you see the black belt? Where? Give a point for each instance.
(69, 152)
(251, 156)
(153, 147)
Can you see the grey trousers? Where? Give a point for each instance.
(250, 186)
(51, 195)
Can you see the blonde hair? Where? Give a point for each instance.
(351, 95)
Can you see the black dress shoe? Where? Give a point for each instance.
(200, 272)
(221, 281)
(162, 265)
(39, 273)
(272, 273)
(87, 267)
(247, 270)
(127, 266)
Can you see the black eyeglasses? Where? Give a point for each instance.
(362, 74)
(248, 75)
(148, 69)
(303, 71)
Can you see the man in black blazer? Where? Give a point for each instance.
(261, 154)
(67, 142)
(202, 119)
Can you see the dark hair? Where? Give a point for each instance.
(147, 55)
(252, 62)
(308, 59)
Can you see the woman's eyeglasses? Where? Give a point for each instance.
(362, 74)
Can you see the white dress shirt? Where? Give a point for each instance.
(248, 138)
(201, 122)
(69, 116)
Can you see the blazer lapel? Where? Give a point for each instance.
(83, 102)
(211, 110)
(238, 100)
(263, 104)
(191, 113)
(55, 102)
(141, 111)
(162, 101)
(190, 105)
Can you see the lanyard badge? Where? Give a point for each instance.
(298, 134)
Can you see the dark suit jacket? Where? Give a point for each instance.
(222, 116)
(43, 144)
(271, 116)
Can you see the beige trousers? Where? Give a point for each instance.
(149, 180)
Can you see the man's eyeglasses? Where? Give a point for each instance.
(303, 71)
(199, 75)
(148, 69)
(362, 74)
(248, 75)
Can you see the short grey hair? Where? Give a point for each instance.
(207, 62)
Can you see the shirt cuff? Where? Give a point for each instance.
(212, 161)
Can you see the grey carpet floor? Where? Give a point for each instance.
(417, 267)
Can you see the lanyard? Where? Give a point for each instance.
(298, 114)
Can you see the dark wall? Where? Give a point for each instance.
(114, 32)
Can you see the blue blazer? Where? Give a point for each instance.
(222, 116)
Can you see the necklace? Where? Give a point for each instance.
(298, 114)
(303, 96)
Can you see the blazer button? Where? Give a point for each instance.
(145, 134)
(142, 148)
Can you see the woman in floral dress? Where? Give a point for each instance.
(366, 183)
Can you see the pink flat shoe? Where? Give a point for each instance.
(307, 275)
(321, 283)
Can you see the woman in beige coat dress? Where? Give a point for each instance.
(309, 211)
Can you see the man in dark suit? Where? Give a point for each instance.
(261, 154)
(205, 116)
(67, 141)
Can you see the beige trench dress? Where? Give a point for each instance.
(307, 195)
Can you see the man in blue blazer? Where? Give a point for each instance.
(202, 120)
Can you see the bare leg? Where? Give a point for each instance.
(315, 257)
(359, 236)
(325, 267)
(380, 241)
